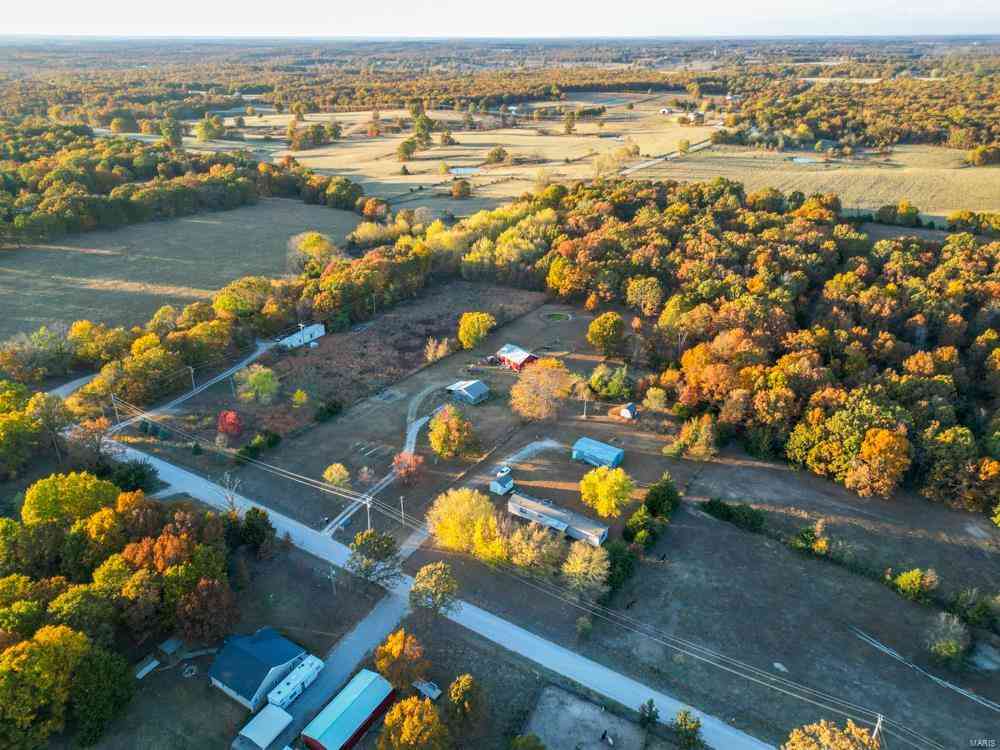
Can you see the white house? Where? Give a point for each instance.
(559, 519)
(303, 336)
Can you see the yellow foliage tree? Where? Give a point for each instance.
(881, 463)
(825, 735)
(473, 328)
(454, 516)
(400, 659)
(606, 490)
(413, 724)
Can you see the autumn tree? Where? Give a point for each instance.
(66, 497)
(450, 433)
(413, 724)
(537, 550)
(229, 423)
(208, 613)
(825, 735)
(337, 475)
(400, 659)
(586, 570)
(36, 679)
(606, 333)
(86, 441)
(606, 490)
(435, 589)
(881, 464)
(408, 466)
(465, 700)
(540, 389)
(455, 515)
(473, 327)
(103, 685)
(52, 417)
(375, 557)
(257, 383)
(645, 294)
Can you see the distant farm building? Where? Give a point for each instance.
(295, 682)
(469, 391)
(249, 666)
(514, 357)
(597, 453)
(263, 729)
(347, 717)
(559, 519)
(303, 336)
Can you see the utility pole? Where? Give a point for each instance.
(114, 405)
(877, 734)
(368, 507)
(402, 515)
(193, 386)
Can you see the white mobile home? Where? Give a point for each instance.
(566, 521)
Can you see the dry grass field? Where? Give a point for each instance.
(123, 276)
(932, 178)
(542, 145)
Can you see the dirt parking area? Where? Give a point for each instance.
(122, 277)
(564, 721)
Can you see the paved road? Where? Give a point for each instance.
(68, 389)
(598, 678)
(666, 157)
(261, 348)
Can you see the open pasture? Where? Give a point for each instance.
(933, 178)
(123, 276)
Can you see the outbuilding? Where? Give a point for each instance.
(559, 519)
(345, 719)
(597, 453)
(249, 666)
(263, 729)
(469, 391)
(514, 357)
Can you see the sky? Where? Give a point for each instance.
(501, 18)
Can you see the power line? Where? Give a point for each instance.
(826, 701)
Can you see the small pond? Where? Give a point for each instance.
(465, 170)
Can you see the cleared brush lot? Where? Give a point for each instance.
(123, 277)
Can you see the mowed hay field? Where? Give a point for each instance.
(123, 276)
(932, 178)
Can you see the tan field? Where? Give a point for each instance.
(542, 146)
(932, 178)
(123, 276)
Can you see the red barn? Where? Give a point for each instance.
(514, 357)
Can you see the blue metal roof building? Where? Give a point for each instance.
(347, 717)
(470, 391)
(597, 453)
(249, 666)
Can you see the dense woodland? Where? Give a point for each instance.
(768, 318)
(56, 179)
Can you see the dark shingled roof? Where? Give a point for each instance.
(245, 660)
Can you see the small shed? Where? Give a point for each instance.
(559, 519)
(503, 481)
(469, 391)
(514, 357)
(597, 453)
(295, 682)
(345, 719)
(262, 729)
